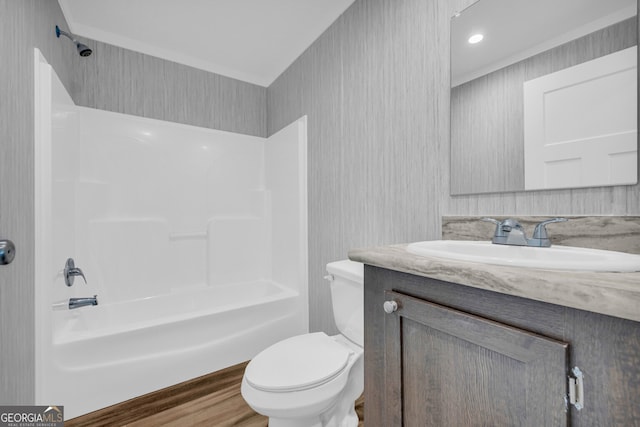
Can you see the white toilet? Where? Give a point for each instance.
(313, 380)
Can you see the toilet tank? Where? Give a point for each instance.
(346, 279)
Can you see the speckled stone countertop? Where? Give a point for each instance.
(614, 294)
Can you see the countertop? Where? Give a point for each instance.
(613, 294)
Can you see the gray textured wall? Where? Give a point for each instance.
(124, 81)
(25, 24)
(375, 88)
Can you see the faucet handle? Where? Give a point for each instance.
(495, 221)
(540, 232)
(504, 226)
(70, 271)
(499, 232)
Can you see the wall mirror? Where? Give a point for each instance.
(546, 97)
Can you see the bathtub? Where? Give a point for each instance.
(109, 353)
(194, 241)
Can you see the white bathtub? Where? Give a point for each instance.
(109, 353)
(194, 240)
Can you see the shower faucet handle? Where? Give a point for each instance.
(70, 271)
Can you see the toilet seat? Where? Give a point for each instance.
(297, 363)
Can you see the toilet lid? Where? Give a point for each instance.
(297, 363)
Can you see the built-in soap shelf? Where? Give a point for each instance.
(194, 235)
(188, 235)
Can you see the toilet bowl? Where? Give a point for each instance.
(313, 380)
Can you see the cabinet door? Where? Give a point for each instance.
(444, 367)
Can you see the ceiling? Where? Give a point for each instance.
(249, 40)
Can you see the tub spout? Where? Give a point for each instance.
(81, 302)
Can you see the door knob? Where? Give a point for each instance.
(390, 306)
(7, 252)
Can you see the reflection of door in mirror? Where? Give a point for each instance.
(580, 124)
(487, 97)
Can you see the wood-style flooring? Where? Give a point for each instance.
(210, 400)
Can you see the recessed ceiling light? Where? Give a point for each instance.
(476, 38)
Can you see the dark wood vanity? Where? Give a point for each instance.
(453, 355)
(451, 343)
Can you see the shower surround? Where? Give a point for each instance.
(193, 240)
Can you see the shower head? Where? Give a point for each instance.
(83, 49)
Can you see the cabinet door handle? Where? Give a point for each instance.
(390, 306)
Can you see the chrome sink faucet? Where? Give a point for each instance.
(511, 232)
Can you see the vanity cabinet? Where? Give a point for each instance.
(458, 369)
(453, 355)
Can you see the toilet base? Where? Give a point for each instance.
(335, 417)
(307, 422)
(342, 419)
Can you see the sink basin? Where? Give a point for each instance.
(554, 258)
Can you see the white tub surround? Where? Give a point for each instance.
(194, 241)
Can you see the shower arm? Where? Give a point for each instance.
(60, 32)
